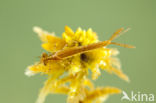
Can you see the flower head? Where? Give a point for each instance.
(69, 60)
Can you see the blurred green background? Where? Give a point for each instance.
(20, 46)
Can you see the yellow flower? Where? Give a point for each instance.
(69, 60)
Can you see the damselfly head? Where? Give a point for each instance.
(43, 58)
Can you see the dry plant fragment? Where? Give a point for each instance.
(69, 60)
